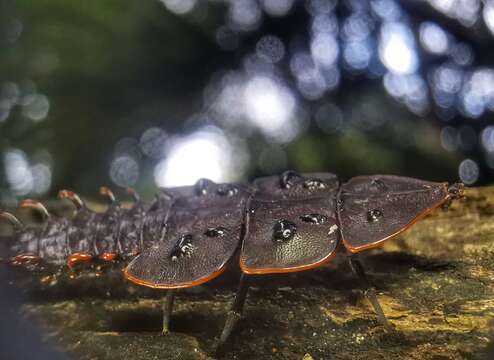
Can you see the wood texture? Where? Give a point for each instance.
(436, 284)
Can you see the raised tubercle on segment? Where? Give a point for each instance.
(72, 196)
(108, 193)
(288, 179)
(12, 219)
(183, 247)
(36, 205)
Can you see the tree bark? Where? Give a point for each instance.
(435, 283)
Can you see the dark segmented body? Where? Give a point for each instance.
(187, 234)
(120, 231)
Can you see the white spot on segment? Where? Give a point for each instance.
(332, 229)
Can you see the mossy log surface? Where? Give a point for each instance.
(435, 283)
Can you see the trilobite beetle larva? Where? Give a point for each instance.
(187, 235)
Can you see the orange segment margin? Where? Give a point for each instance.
(261, 271)
(356, 249)
(183, 285)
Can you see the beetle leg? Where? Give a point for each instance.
(235, 312)
(167, 310)
(369, 290)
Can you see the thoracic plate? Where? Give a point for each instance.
(202, 232)
(290, 228)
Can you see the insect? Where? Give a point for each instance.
(187, 235)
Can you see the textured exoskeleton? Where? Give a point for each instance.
(187, 235)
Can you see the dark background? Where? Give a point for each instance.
(155, 93)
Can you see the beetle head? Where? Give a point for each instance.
(456, 191)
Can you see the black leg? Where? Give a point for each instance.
(167, 310)
(235, 312)
(369, 290)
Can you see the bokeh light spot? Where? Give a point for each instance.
(18, 172)
(433, 38)
(179, 7)
(315, 7)
(468, 171)
(487, 138)
(124, 171)
(449, 138)
(357, 54)
(270, 49)
(41, 178)
(397, 50)
(488, 14)
(270, 106)
(244, 15)
(324, 49)
(152, 142)
(204, 154)
(36, 107)
(277, 7)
